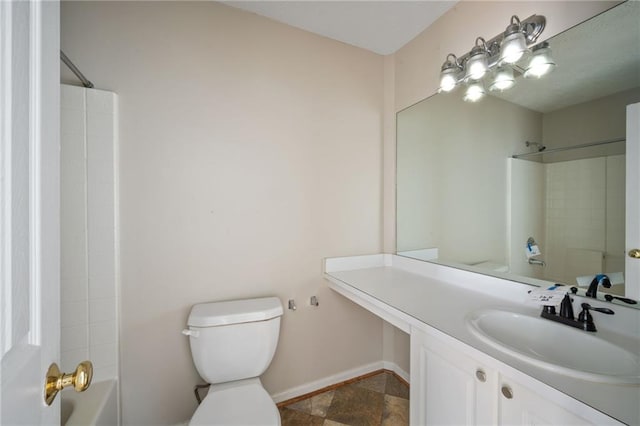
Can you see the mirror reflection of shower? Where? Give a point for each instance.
(575, 201)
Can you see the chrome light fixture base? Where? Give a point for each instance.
(499, 57)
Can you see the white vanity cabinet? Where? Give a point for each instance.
(454, 384)
(457, 378)
(449, 387)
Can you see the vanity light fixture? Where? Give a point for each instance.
(541, 62)
(500, 60)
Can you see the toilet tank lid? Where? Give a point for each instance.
(234, 312)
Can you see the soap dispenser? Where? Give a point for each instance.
(566, 307)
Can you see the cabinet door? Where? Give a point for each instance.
(448, 387)
(519, 405)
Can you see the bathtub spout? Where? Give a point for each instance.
(537, 262)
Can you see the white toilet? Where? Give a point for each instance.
(232, 344)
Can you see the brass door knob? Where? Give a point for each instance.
(56, 380)
(635, 253)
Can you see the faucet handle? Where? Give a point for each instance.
(586, 318)
(609, 298)
(588, 307)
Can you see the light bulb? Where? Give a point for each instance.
(448, 81)
(478, 63)
(449, 73)
(474, 92)
(503, 79)
(541, 62)
(512, 48)
(476, 67)
(513, 44)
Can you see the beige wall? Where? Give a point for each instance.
(249, 150)
(606, 121)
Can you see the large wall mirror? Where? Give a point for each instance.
(543, 162)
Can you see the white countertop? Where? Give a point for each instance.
(408, 292)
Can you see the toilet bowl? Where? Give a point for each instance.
(232, 344)
(244, 403)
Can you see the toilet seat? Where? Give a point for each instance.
(246, 403)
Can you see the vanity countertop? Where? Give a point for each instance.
(411, 293)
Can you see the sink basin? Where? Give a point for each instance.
(555, 347)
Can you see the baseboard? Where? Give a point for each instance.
(339, 378)
(392, 366)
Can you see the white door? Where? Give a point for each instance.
(632, 265)
(29, 208)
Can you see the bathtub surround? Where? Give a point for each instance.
(589, 239)
(97, 406)
(88, 231)
(240, 171)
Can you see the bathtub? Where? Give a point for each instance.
(97, 406)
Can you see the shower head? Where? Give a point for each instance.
(538, 144)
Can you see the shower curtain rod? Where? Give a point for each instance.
(567, 148)
(75, 70)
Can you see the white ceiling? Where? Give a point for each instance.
(379, 26)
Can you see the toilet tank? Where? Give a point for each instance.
(234, 340)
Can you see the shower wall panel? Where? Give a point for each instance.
(88, 230)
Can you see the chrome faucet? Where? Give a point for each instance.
(537, 262)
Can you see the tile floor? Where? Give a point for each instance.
(379, 400)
